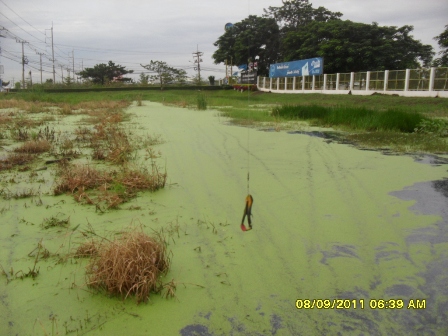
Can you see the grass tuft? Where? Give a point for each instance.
(130, 265)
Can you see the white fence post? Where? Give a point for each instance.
(337, 81)
(406, 80)
(286, 83)
(431, 79)
(278, 83)
(386, 79)
(367, 80)
(303, 83)
(294, 83)
(325, 81)
(313, 85)
(352, 80)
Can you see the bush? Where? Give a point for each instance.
(438, 127)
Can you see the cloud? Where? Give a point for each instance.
(137, 31)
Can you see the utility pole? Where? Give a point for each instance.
(40, 54)
(198, 60)
(73, 54)
(227, 75)
(24, 61)
(52, 50)
(31, 80)
(62, 73)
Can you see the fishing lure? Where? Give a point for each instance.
(248, 213)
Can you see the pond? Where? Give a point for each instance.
(343, 241)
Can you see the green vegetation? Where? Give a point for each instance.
(353, 117)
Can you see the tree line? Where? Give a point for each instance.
(297, 31)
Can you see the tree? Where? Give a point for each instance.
(252, 37)
(442, 40)
(105, 73)
(68, 80)
(211, 79)
(296, 13)
(144, 79)
(348, 46)
(165, 74)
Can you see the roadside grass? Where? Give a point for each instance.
(353, 117)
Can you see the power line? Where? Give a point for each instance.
(19, 26)
(21, 17)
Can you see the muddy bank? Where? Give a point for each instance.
(328, 225)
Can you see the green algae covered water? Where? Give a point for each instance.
(344, 241)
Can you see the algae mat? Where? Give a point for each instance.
(344, 241)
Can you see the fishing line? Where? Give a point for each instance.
(249, 199)
(248, 110)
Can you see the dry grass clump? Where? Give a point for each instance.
(103, 104)
(135, 180)
(87, 249)
(104, 189)
(133, 264)
(111, 142)
(65, 109)
(15, 159)
(5, 119)
(35, 146)
(31, 107)
(80, 177)
(9, 103)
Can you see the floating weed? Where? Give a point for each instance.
(55, 222)
(18, 194)
(42, 252)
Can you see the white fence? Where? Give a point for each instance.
(431, 82)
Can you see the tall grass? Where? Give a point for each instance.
(358, 118)
(201, 102)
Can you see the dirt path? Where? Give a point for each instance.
(325, 227)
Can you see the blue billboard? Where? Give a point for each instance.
(308, 67)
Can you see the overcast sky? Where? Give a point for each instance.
(132, 32)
